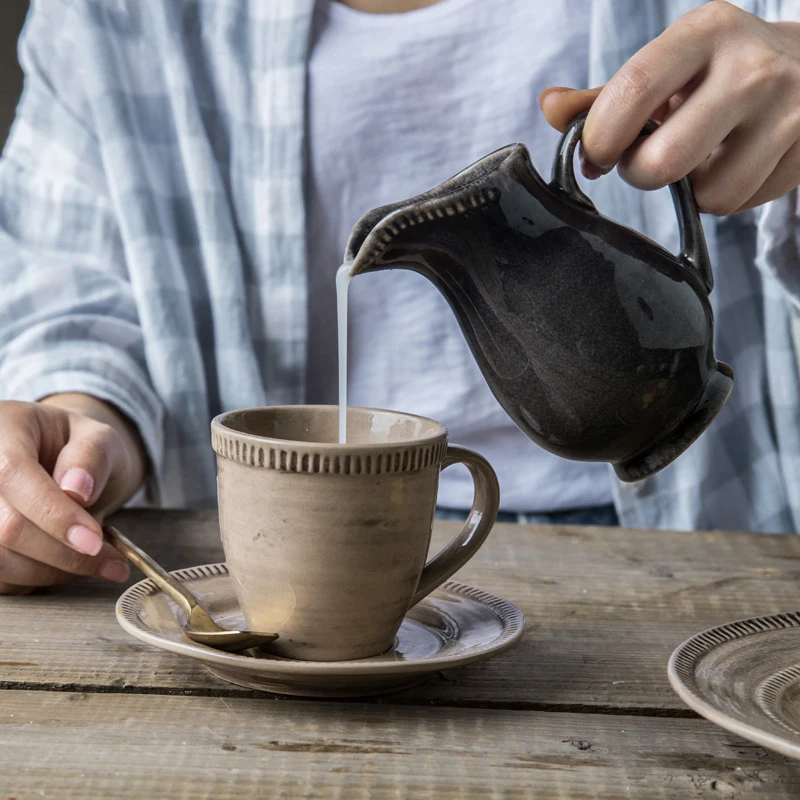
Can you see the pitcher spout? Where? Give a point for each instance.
(414, 220)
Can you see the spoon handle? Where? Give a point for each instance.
(185, 599)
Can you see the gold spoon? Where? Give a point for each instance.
(199, 627)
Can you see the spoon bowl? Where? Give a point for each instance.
(200, 626)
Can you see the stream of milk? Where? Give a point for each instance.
(342, 283)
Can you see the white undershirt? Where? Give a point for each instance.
(398, 103)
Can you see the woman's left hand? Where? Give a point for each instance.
(725, 86)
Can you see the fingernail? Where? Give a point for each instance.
(84, 540)
(589, 169)
(552, 90)
(555, 90)
(114, 570)
(79, 482)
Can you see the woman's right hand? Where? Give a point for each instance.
(57, 458)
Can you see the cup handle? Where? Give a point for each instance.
(694, 252)
(481, 518)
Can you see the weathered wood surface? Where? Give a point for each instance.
(100, 746)
(580, 709)
(604, 609)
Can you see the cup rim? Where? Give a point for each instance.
(218, 422)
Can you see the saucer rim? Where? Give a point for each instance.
(511, 618)
(682, 666)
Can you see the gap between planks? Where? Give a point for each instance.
(489, 705)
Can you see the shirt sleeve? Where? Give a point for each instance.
(68, 317)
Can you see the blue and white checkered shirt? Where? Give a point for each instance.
(152, 244)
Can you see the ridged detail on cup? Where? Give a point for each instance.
(288, 459)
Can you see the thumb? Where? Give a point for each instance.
(561, 105)
(86, 462)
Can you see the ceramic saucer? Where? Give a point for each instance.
(745, 676)
(456, 625)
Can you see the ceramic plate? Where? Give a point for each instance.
(456, 625)
(745, 676)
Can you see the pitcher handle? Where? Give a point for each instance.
(694, 253)
(480, 521)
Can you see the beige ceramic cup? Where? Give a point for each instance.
(326, 543)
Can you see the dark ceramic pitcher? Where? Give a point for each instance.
(597, 341)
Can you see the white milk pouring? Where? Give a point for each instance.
(342, 284)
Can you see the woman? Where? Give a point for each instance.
(178, 186)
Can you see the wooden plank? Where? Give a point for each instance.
(96, 746)
(604, 608)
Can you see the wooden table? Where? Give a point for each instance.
(580, 709)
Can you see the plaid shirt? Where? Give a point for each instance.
(152, 244)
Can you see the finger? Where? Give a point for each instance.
(24, 571)
(644, 83)
(735, 171)
(85, 463)
(592, 171)
(661, 113)
(782, 180)
(684, 140)
(561, 105)
(589, 170)
(21, 536)
(26, 486)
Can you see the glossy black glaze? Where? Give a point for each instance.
(596, 341)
